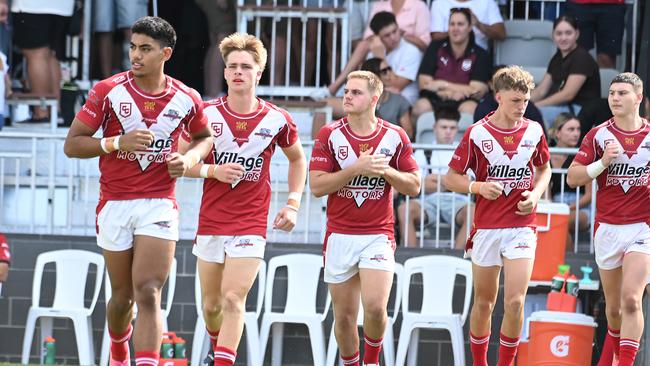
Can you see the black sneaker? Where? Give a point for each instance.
(209, 359)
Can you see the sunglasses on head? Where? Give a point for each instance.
(460, 10)
(385, 70)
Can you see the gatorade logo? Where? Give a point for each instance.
(560, 346)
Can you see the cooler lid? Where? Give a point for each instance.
(553, 208)
(562, 317)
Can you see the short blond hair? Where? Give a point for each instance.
(513, 78)
(375, 85)
(247, 43)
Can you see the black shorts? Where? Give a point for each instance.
(40, 30)
(604, 21)
(437, 102)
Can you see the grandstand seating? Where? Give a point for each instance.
(528, 43)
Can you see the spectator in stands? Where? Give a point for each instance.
(391, 107)
(109, 15)
(412, 17)
(5, 259)
(485, 19)
(489, 104)
(452, 206)
(572, 78)
(221, 16)
(39, 31)
(5, 87)
(606, 20)
(565, 132)
(454, 71)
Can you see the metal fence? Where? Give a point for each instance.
(44, 192)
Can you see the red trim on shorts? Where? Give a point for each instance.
(100, 206)
(327, 236)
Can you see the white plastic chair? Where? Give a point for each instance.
(388, 345)
(201, 341)
(171, 289)
(72, 268)
(606, 77)
(438, 281)
(303, 278)
(538, 73)
(528, 43)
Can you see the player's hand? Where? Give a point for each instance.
(527, 204)
(285, 220)
(612, 151)
(490, 190)
(370, 164)
(177, 164)
(136, 140)
(4, 12)
(229, 173)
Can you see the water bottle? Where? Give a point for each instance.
(557, 282)
(179, 347)
(49, 350)
(167, 348)
(572, 286)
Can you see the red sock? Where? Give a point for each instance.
(371, 350)
(120, 344)
(224, 356)
(351, 360)
(479, 348)
(147, 358)
(213, 338)
(628, 350)
(507, 350)
(610, 347)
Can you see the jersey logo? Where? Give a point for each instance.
(241, 125)
(486, 146)
(264, 133)
(343, 152)
(363, 147)
(508, 139)
(125, 109)
(172, 114)
(466, 65)
(149, 105)
(217, 128)
(385, 151)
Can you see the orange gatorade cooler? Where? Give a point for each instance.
(552, 226)
(522, 353)
(560, 339)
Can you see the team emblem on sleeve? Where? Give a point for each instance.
(486, 146)
(343, 152)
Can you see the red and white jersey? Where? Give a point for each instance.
(5, 255)
(365, 204)
(242, 208)
(622, 196)
(119, 107)
(508, 157)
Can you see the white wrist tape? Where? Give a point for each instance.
(295, 196)
(204, 171)
(102, 143)
(116, 143)
(470, 186)
(291, 207)
(594, 169)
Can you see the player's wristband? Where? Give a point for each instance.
(295, 196)
(291, 207)
(203, 172)
(194, 157)
(594, 169)
(109, 144)
(472, 189)
(116, 143)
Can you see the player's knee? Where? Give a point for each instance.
(121, 303)
(211, 309)
(232, 302)
(631, 303)
(514, 305)
(483, 304)
(346, 320)
(612, 311)
(147, 295)
(374, 312)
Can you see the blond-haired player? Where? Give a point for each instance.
(510, 159)
(357, 161)
(231, 237)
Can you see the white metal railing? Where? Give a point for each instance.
(43, 192)
(251, 16)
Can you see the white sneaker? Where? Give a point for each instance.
(320, 94)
